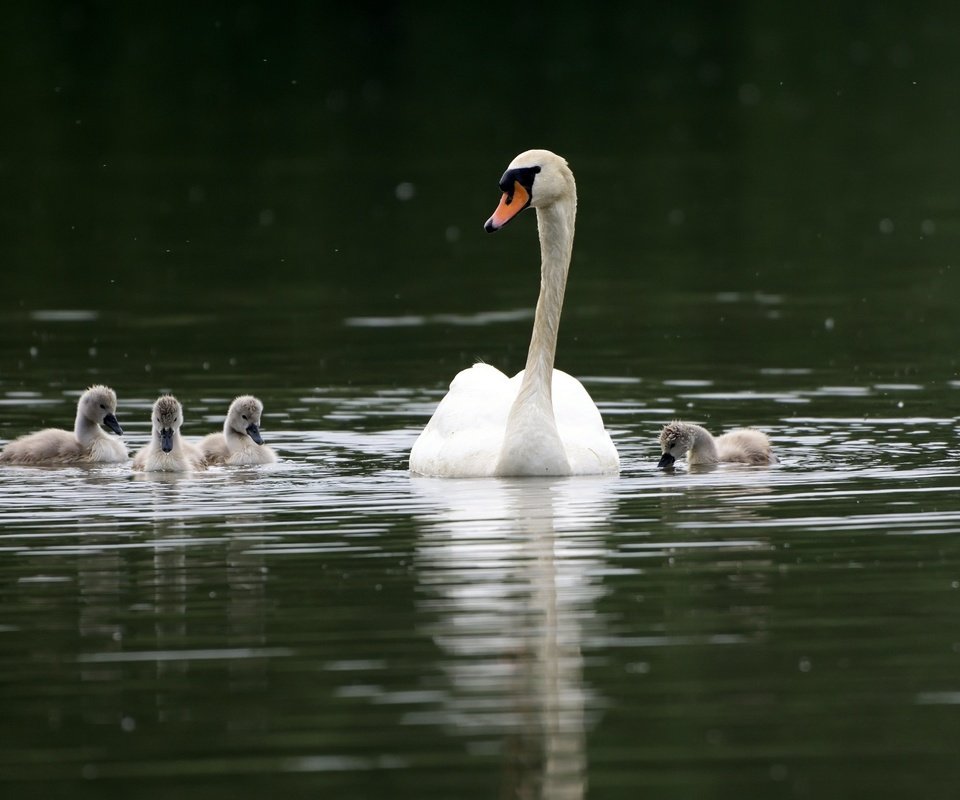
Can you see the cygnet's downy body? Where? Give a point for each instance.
(87, 444)
(241, 442)
(743, 446)
(167, 450)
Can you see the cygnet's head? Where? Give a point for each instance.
(167, 419)
(99, 405)
(676, 439)
(536, 178)
(244, 417)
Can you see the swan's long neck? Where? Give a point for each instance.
(228, 432)
(704, 447)
(532, 444)
(86, 430)
(555, 224)
(234, 439)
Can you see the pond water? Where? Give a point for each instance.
(333, 626)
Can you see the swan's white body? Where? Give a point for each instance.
(87, 444)
(465, 437)
(742, 445)
(240, 443)
(542, 421)
(167, 450)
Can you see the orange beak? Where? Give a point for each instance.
(510, 206)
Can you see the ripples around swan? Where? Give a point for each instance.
(344, 619)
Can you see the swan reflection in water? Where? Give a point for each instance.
(509, 573)
(163, 623)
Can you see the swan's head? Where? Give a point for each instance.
(676, 439)
(167, 419)
(99, 405)
(244, 417)
(536, 178)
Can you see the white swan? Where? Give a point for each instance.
(743, 445)
(240, 442)
(87, 444)
(542, 421)
(167, 451)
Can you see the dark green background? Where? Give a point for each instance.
(208, 199)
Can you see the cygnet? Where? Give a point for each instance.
(87, 444)
(743, 445)
(241, 442)
(167, 450)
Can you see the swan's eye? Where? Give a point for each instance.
(244, 416)
(522, 175)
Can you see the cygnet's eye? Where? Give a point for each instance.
(244, 416)
(103, 407)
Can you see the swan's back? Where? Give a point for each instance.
(216, 452)
(746, 446)
(214, 448)
(49, 446)
(589, 448)
(464, 438)
(194, 455)
(54, 446)
(465, 434)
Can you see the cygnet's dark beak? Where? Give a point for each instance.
(254, 433)
(166, 439)
(111, 422)
(666, 460)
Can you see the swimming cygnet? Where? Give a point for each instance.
(240, 443)
(167, 451)
(743, 445)
(88, 444)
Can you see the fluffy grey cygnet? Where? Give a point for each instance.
(167, 450)
(87, 444)
(743, 445)
(241, 442)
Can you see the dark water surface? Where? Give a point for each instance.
(768, 235)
